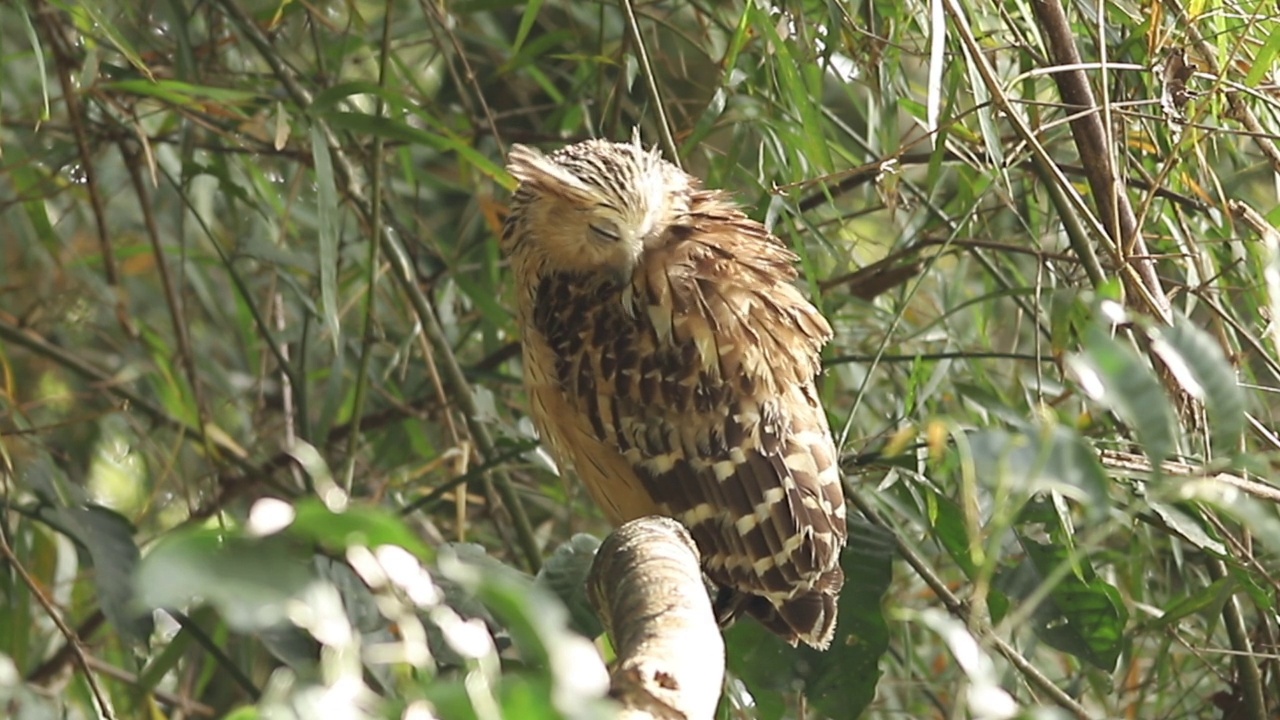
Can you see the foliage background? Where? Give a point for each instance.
(1054, 392)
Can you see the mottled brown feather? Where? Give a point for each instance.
(680, 379)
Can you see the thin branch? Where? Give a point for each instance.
(960, 609)
(180, 703)
(69, 360)
(1079, 222)
(1248, 675)
(405, 274)
(1208, 54)
(77, 649)
(76, 117)
(372, 260)
(1093, 140)
(655, 97)
(173, 299)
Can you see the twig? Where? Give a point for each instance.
(961, 610)
(238, 676)
(371, 276)
(433, 8)
(173, 299)
(76, 117)
(30, 340)
(350, 176)
(72, 640)
(655, 97)
(1248, 676)
(1079, 222)
(1208, 55)
(178, 702)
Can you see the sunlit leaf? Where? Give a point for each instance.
(1114, 376)
(355, 525)
(1199, 365)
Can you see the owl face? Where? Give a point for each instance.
(592, 207)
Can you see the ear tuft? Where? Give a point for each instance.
(543, 174)
(524, 162)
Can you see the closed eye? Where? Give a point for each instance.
(603, 232)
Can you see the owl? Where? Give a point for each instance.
(671, 361)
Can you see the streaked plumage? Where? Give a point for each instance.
(671, 361)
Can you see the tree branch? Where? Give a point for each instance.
(647, 586)
(1095, 145)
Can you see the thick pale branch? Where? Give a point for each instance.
(647, 586)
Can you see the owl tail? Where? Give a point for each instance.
(808, 616)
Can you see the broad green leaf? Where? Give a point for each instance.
(565, 574)
(249, 581)
(1187, 527)
(538, 624)
(1114, 376)
(107, 538)
(1197, 362)
(1041, 459)
(842, 680)
(1082, 615)
(949, 530)
(355, 525)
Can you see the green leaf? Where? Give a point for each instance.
(538, 624)
(396, 130)
(1185, 526)
(565, 574)
(1082, 616)
(28, 181)
(327, 229)
(103, 26)
(793, 83)
(526, 24)
(328, 99)
(107, 538)
(1264, 60)
(1197, 362)
(1207, 601)
(355, 525)
(1114, 376)
(249, 581)
(183, 94)
(949, 530)
(1050, 458)
(842, 680)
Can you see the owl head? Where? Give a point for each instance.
(592, 207)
